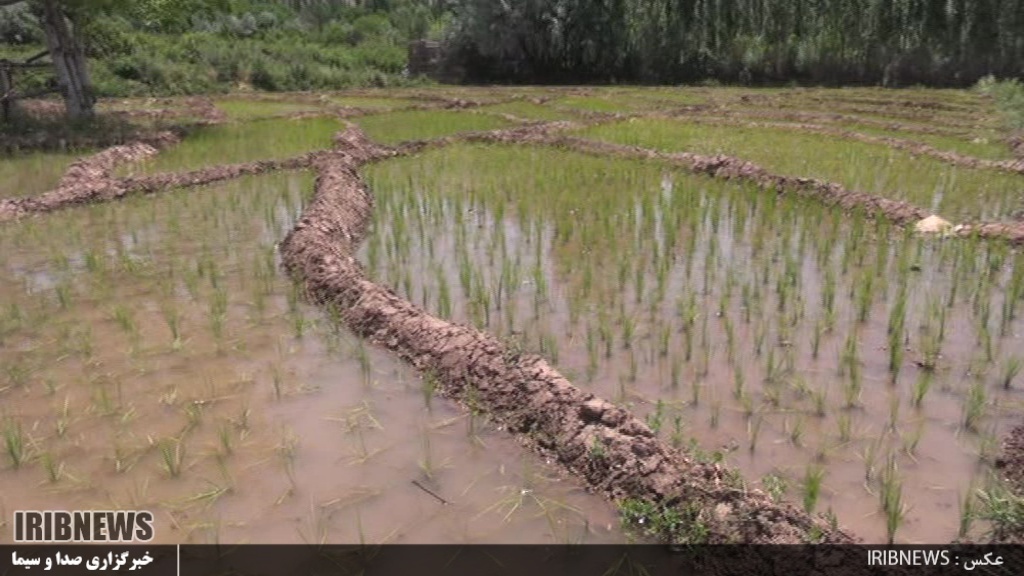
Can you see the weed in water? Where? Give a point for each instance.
(1002, 509)
(776, 486)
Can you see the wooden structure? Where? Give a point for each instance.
(8, 94)
(424, 58)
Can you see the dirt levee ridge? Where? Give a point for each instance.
(603, 445)
(86, 180)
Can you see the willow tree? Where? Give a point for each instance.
(56, 18)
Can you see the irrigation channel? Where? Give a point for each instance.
(599, 443)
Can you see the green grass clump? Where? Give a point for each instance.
(677, 525)
(1009, 97)
(424, 124)
(1003, 510)
(235, 143)
(878, 169)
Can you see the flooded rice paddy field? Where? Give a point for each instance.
(155, 356)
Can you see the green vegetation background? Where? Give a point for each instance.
(176, 47)
(173, 47)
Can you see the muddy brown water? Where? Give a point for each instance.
(732, 241)
(273, 437)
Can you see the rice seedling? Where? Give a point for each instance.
(754, 431)
(172, 454)
(911, 443)
(845, 425)
(429, 387)
(716, 411)
(172, 316)
(288, 450)
(796, 432)
(870, 456)
(676, 437)
(922, 385)
(988, 445)
(894, 412)
(656, 418)
(426, 463)
(813, 477)
(363, 357)
(1011, 369)
(54, 470)
(892, 498)
(975, 406)
(14, 442)
(225, 440)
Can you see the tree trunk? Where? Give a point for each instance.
(7, 102)
(68, 61)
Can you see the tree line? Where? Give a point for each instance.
(889, 42)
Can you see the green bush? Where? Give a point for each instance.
(18, 26)
(1009, 98)
(266, 44)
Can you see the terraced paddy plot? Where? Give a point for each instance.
(423, 124)
(528, 111)
(660, 97)
(607, 105)
(851, 367)
(153, 354)
(33, 173)
(249, 109)
(154, 357)
(372, 103)
(986, 144)
(235, 143)
(955, 119)
(954, 192)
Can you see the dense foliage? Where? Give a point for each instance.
(166, 47)
(893, 42)
(190, 46)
